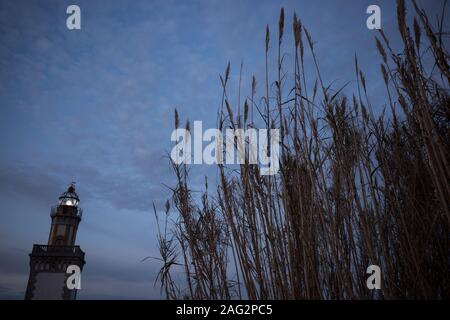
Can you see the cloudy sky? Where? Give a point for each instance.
(96, 105)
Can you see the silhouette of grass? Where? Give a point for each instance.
(353, 189)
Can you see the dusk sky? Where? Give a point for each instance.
(96, 106)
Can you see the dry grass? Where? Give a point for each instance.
(353, 189)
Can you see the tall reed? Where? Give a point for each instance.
(354, 189)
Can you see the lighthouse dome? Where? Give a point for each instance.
(69, 197)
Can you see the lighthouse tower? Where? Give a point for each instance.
(49, 263)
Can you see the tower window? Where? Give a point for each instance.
(59, 241)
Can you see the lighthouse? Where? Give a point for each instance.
(49, 263)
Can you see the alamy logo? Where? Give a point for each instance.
(249, 146)
(74, 20)
(74, 280)
(374, 20)
(374, 280)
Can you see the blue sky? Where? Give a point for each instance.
(96, 105)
